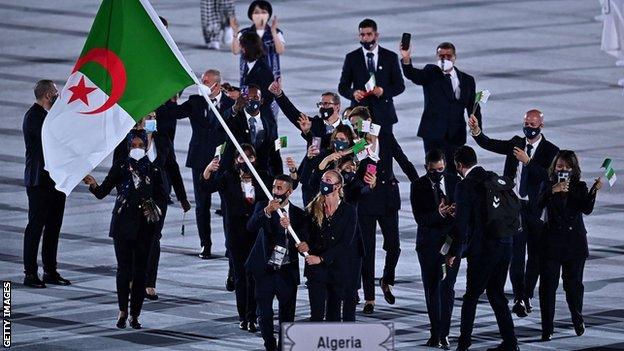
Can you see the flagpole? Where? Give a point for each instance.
(269, 195)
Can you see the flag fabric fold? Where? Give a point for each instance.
(128, 67)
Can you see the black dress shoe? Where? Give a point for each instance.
(445, 344)
(519, 309)
(433, 342)
(121, 322)
(385, 288)
(251, 327)
(243, 325)
(55, 279)
(33, 281)
(205, 253)
(229, 283)
(528, 306)
(546, 336)
(579, 329)
(134, 323)
(151, 297)
(369, 308)
(218, 212)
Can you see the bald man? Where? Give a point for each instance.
(527, 162)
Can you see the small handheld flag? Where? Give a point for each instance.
(359, 146)
(480, 98)
(281, 142)
(219, 151)
(607, 164)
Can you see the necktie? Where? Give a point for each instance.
(252, 130)
(447, 76)
(370, 63)
(524, 181)
(245, 73)
(438, 193)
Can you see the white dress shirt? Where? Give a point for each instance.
(259, 125)
(375, 52)
(455, 83)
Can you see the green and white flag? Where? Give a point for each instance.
(128, 67)
(371, 83)
(220, 150)
(281, 142)
(481, 97)
(607, 164)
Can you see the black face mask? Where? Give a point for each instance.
(531, 132)
(282, 198)
(348, 176)
(242, 167)
(326, 112)
(368, 45)
(435, 176)
(252, 107)
(326, 188)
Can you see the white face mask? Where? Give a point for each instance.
(445, 65)
(137, 153)
(260, 18)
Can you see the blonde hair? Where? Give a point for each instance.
(315, 207)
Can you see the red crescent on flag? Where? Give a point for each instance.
(115, 68)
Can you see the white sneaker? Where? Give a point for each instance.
(228, 36)
(214, 45)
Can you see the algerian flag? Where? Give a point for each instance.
(281, 142)
(128, 67)
(480, 98)
(359, 149)
(607, 164)
(370, 84)
(220, 150)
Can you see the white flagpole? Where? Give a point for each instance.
(202, 91)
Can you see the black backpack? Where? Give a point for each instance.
(502, 207)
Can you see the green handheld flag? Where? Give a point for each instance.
(607, 164)
(359, 146)
(480, 98)
(281, 142)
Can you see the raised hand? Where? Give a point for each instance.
(304, 123)
(276, 87)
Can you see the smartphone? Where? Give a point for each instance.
(316, 142)
(371, 168)
(405, 41)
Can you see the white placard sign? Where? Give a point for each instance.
(337, 336)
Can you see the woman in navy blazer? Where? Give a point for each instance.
(331, 240)
(565, 199)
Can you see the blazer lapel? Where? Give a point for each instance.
(463, 90)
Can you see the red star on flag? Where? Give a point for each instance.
(80, 92)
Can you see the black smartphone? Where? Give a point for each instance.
(405, 41)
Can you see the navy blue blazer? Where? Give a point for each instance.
(537, 168)
(128, 216)
(443, 115)
(165, 161)
(168, 115)
(271, 233)
(385, 198)
(469, 218)
(334, 241)
(432, 227)
(262, 75)
(317, 129)
(34, 173)
(207, 132)
(267, 158)
(564, 236)
(387, 76)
